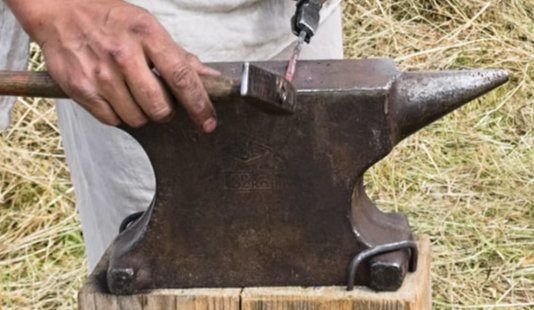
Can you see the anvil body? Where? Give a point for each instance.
(279, 200)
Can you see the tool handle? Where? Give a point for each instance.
(40, 84)
(307, 18)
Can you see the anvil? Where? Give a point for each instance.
(279, 200)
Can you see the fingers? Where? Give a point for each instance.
(83, 91)
(181, 70)
(87, 97)
(149, 93)
(114, 90)
(101, 110)
(128, 90)
(143, 95)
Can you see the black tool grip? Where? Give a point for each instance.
(307, 18)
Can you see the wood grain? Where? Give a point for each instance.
(40, 84)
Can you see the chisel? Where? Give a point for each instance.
(304, 24)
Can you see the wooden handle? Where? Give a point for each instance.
(40, 84)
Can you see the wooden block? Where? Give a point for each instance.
(415, 294)
(190, 299)
(93, 296)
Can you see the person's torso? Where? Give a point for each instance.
(229, 30)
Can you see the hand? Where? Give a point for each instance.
(102, 53)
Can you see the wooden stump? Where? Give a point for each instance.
(415, 294)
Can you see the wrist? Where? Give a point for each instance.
(36, 18)
(29, 14)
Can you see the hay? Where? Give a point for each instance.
(41, 248)
(466, 180)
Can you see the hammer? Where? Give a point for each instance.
(267, 91)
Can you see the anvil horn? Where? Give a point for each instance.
(419, 98)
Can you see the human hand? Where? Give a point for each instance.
(102, 52)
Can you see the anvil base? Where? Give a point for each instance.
(415, 294)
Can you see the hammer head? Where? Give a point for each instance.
(267, 90)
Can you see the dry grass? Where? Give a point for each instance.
(41, 248)
(466, 180)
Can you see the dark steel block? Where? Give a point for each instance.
(278, 200)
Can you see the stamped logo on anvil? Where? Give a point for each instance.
(254, 172)
(250, 152)
(244, 181)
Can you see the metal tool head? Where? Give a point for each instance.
(267, 90)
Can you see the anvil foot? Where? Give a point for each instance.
(389, 270)
(382, 272)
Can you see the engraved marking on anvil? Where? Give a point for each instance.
(256, 176)
(247, 181)
(250, 151)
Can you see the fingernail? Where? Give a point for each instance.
(209, 125)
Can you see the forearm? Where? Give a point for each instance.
(31, 15)
(53, 18)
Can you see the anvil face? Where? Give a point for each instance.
(278, 200)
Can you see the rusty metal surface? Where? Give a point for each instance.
(278, 200)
